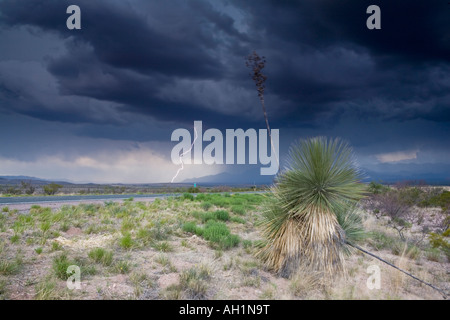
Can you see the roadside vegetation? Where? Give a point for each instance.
(202, 246)
(31, 188)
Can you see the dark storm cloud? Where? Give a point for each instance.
(169, 60)
(120, 36)
(410, 30)
(125, 56)
(403, 66)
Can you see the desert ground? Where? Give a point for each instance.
(169, 249)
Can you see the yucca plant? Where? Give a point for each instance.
(311, 213)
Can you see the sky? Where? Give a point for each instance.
(99, 104)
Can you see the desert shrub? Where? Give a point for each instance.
(440, 200)
(397, 209)
(299, 222)
(440, 241)
(399, 248)
(27, 187)
(411, 195)
(377, 188)
(202, 197)
(433, 254)
(188, 196)
(380, 240)
(193, 190)
(52, 188)
(13, 191)
(206, 205)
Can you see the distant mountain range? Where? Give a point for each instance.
(386, 173)
(432, 174)
(14, 180)
(230, 179)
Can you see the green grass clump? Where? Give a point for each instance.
(64, 226)
(247, 244)
(145, 236)
(102, 256)
(60, 265)
(194, 282)
(213, 231)
(47, 290)
(122, 267)
(188, 196)
(221, 215)
(218, 233)
(15, 238)
(45, 226)
(216, 215)
(3, 290)
(8, 267)
(191, 227)
(206, 205)
(203, 216)
(86, 268)
(127, 225)
(238, 209)
(163, 246)
(56, 246)
(126, 242)
(238, 220)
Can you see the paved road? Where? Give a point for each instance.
(34, 200)
(23, 204)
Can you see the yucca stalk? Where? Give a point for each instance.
(311, 197)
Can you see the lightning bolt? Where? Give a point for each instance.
(184, 153)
